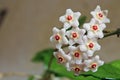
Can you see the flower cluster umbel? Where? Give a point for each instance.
(78, 56)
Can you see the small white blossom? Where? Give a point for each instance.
(100, 15)
(59, 37)
(76, 68)
(62, 57)
(75, 35)
(94, 29)
(93, 64)
(89, 46)
(76, 54)
(70, 19)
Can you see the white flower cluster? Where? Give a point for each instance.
(82, 43)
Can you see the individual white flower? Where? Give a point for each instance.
(93, 64)
(75, 35)
(59, 37)
(76, 68)
(70, 19)
(94, 29)
(76, 54)
(89, 46)
(62, 58)
(100, 15)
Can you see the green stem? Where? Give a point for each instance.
(50, 62)
(116, 32)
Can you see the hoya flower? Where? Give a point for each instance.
(93, 64)
(100, 15)
(89, 46)
(59, 37)
(70, 19)
(61, 57)
(76, 54)
(75, 35)
(94, 29)
(76, 68)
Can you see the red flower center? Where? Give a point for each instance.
(77, 54)
(77, 69)
(60, 59)
(74, 35)
(100, 15)
(91, 45)
(93, 65)
(95, 27)
(69, 17)
(57, 37)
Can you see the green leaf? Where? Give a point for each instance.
(43, 56)
(31, 77)
(82, 20)
(115, 63)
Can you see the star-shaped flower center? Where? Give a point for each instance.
(74, 35)
(90, 45)
(57, 37)
(69, 17)
(61, 59)
(95, 27)
(77, 54)
(94, 65)
(77, 69)
(100, 15)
